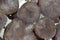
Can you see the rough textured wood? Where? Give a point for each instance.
(8, 6)
(45, 28)
(17, 31)
(50, 8)
(29, 12)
